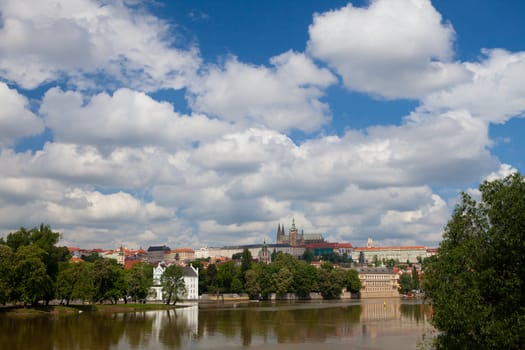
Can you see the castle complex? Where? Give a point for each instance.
(294, 238)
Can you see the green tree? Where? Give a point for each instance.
(405, 283)
(75, 282)
(106, 280)
(246, 261)
(226, 273)
(252, 286)
(476, 280)
(30, 277)
(308, 255)
(139, 281)
(6, 274)
(415, 278)
(352, 281)
(173, 287)
(305, 279)
(213, 284)
(283, 282)
(331, 283)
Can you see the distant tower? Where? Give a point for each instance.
(121, 258)
(280, 234)
(369, 243)
(293, 234)
(264, 255)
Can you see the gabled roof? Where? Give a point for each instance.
(189, 272)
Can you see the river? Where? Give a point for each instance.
(366, 324)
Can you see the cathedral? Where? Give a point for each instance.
(294, 238)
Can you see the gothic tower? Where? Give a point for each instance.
(280, 234)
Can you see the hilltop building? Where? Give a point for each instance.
(294, 238)
(402, 254)
(156, 253)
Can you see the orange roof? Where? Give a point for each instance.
(183, 250)
(128, 264)
(73, 249)
(344, 245)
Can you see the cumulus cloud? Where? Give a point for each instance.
(496, 92)
(16, 120)
(392, 48)
(121, 166)
(82, 40)
(283, 97)
(126, 118)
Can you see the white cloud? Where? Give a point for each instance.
(42, 41)
(127, 118)
(495, 94)
(503, 171)
(392, 48)
(16, 120)
(284, 97)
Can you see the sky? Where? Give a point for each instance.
(209, 123)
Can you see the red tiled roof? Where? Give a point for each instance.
(183, 250)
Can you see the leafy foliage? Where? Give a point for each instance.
(476, 281)
(172, 284)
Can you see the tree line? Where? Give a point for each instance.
(284, 275)
(34, 269)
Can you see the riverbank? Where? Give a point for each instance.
(18, 310)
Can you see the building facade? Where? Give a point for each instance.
(156, 254)
(402, 254)
(190, 277)
(378, 283)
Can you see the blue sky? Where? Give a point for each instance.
(205, 123)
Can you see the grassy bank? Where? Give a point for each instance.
(75, 309)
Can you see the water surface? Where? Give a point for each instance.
(308, 325)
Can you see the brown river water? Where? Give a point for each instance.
(366, 324)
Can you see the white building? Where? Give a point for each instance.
(190, 277)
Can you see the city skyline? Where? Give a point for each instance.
(209, 123)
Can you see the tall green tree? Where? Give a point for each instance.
(172, 281)
(283, 282)
(30, 277)
(6, 274)
(107, 276)
(75, 282)
(211, 274)
(415, 278)
(139, 280)
(246, 261)
(476, 280)
(252, 285)
(305, 279)
(226, 273)
(331, 283)
(352, 281)
(405, 283)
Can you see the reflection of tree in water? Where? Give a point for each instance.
(64, 332)
(139, 327)
(416, 312)
(286, 325)
(174, 329)
(32, 333)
